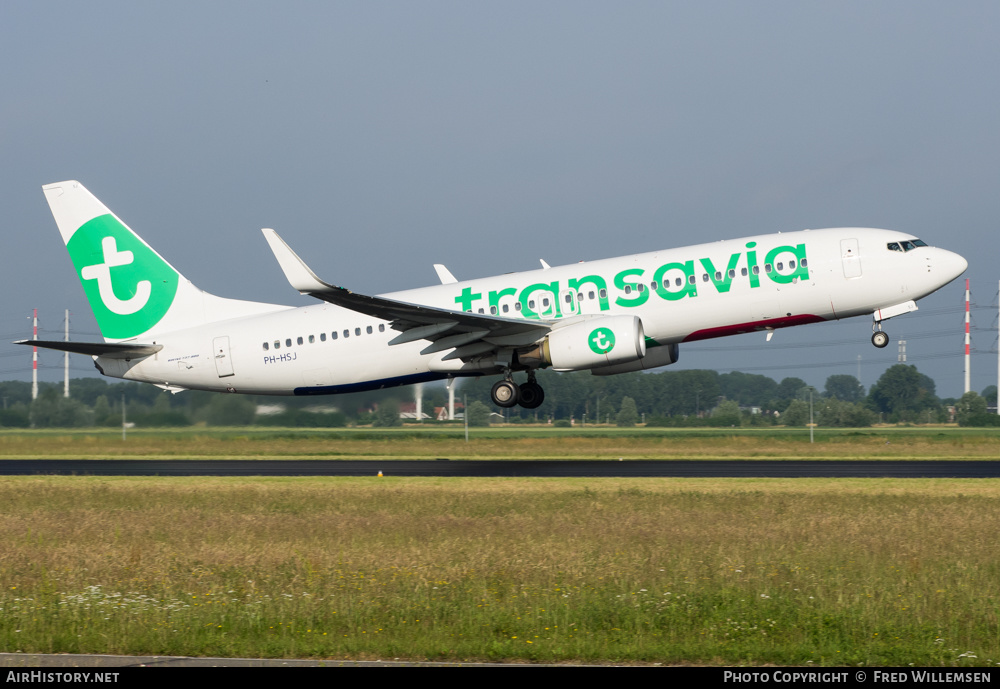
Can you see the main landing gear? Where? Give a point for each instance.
(507, 393)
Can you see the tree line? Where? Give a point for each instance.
(666, 398)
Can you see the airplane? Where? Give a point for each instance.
(606, 316)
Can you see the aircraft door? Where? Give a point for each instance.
(223, 360)
(851, 256)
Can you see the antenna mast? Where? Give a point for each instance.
(34, 355)
(66, 361)
(968, 385)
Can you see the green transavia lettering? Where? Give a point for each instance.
(635, 286)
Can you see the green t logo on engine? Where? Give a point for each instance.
(601, 341)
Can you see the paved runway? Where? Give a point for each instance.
(505, 468)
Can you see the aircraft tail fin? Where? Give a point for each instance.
(132, 290)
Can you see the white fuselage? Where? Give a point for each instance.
(691, 293)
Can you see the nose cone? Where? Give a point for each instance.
(947, 265)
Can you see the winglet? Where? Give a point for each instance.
(296, 271)
(444, 275)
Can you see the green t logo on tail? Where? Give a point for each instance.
(601, 341)
(128, 286)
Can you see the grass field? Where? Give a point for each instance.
(735, 571)
(518, 442)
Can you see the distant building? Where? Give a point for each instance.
(408, 411)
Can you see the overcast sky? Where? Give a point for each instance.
(380, 138)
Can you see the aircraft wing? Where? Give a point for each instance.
(112, 350)
(469, 334)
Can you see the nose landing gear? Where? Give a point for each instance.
(879, 338)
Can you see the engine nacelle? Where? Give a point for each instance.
(655, 357)
(591, 343)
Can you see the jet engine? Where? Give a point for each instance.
(591, 343)
(662, 355)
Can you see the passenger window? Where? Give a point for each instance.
(781, 266)
(569, 299)
(604, 293)
(493, 310)
(545, 303)
(298, 339)
(531, 303)
(678, 282)
(718, 275)
(357, 331)
(756, 270)
(312, 339)
(804, 263)
(628, 289)
(791, 265)
(517, 306)
(767, 267)
(653, 285)
(347, 333)
(641, 287)
(732, 273)
(266, 347)
(288, 342)
(333, 335)
(369, 329)
(704, 277)
(743, 271)
(481, 311)
(691, 279)
(277, 344)
(381, 327)
(322, 337)
(506, 308)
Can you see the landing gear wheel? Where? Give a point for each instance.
(505, 393)
(880, 339)
(532, 395)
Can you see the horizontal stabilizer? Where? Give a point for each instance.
(111, 350)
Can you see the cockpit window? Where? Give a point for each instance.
(907, 245)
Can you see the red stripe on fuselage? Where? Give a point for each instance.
(753, 327)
